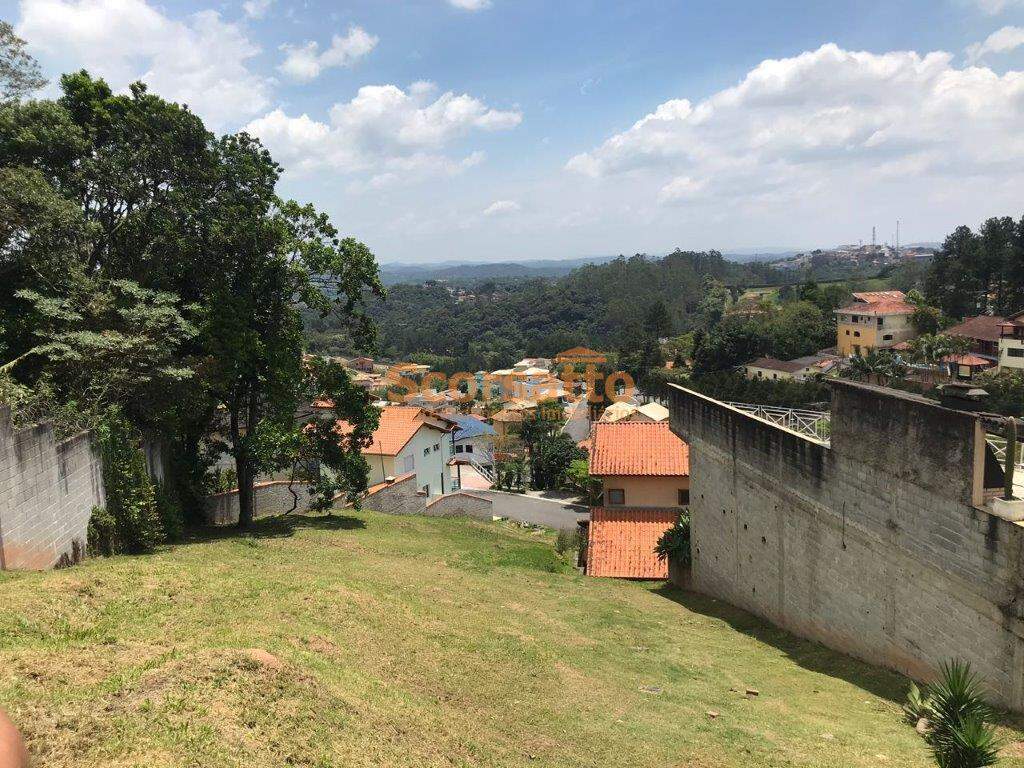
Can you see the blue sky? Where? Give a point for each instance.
(516, 129)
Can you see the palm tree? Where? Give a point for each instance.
(932, 349)
(878, 366)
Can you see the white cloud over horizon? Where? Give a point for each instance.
(202, 61)
(305, 62)
(384, 130)
(822, 120)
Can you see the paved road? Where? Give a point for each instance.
(527, 509)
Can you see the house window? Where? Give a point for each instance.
(458, 449)
(426, 451)
(616, 497)
(847, 331)
(879, 322)
(887, 337)
(469, 449)
(437, 447)
(1011, 352)
(856, 333)
(684, 497)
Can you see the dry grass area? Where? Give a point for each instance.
(382, 641)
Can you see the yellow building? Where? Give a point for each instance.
(878, 320)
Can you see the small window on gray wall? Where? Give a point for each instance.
(616, 497)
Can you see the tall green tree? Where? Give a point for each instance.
(19, 72)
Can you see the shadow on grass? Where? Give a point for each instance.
(814, 656)
(279, 527)
(807, 654)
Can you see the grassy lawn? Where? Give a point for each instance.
(385, 641)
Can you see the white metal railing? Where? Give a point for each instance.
(998, 445)
(813, 424)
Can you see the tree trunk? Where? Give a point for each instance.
(245, 491)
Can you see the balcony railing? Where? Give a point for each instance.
(813, 424)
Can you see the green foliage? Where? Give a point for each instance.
(168, 508)
(961, 735)
(601, 306)
(579, 479)
(674, 544)
(786, 331)
(551, 460)
(1006, 391)
(19, 72)
(917, 705)
(130, 496)
(568, 541)
(977, 273)
(508, 475)
(878, 366)
(101, 536)
(734, 387)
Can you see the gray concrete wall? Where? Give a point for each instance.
(402, 497)
(47, 492)
(460, 504)
(871, 545)
(273, 497)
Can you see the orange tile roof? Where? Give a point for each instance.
(878, 308)
(968, 359)
(581, 355)
(873, 297)
(398, 424)
(980, 327)
(621, 542)
(641, 448)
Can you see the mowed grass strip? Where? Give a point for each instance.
(369, 640)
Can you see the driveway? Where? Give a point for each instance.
(529, 509)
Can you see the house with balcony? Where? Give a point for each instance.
(875, 320)
(644, 469)
(473, 440)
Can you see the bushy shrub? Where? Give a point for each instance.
(567, 540)
(674, 544)
(169, 510)
(101, 538)
(131, 499)
(961, 733)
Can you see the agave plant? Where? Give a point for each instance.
(961, 732)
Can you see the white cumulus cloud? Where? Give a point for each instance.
(825, 119)
(384, 130)
(470, 5)
(1001, 41)
(201, 61)
(502, 208)
(256, 9)
(306, 62)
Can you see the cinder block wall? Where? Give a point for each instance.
(273, 497)
(871, 545)
(47, 492)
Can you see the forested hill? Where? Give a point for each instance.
(600, 305)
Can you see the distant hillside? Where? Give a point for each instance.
(492, 324)
(467, 273)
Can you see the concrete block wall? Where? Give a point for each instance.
(403, 497)
(47, 492)
(460, 504)
(871, 545)
(273, 497)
